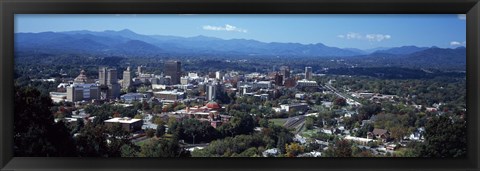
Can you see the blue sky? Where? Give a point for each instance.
(345, 31)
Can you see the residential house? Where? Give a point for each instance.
(382, 134)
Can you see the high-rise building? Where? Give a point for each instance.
(308, 73)
(285, 71)
(102, 75)
(278, 79)
(112, 77)
(74, 94)
(113, 91)
(174, 70)
(289, 82)
(109, 86)
(212, 91)
(184, 80)
(218, 75)
(79, 92)
(140, 70)
(127, 78)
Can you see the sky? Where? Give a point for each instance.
(365, 31)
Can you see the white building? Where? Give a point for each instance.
(169, 95)
(219, 75)
(78, 92)
(58, 96)
(308, 73)
(300, 96)
(212, 91)
(297, 107)
(306, 83)
(363, 141)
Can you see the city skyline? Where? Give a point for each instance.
(344, 31)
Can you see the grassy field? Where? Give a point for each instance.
(309, 133)
(166, 136)
(139, 143)
(278, 121)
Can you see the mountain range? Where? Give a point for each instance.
(130, 44)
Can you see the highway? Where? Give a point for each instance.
(334, 90)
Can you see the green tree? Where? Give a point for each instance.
(263, 122)
(117, 138)
(160, 131)
(92, 141)
(161, 148)
(342, 148)
(157, 109)
(293, 149)
(309, 122)
(241, 123)
(36, 134)
(158, 120)
(129, 151)
(150, 133)
(398, 133)
(340, 102)
(194, 131)
(138, 116)
(445, 136)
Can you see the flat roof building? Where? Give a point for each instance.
(174, 70)
(79, 92)
(299, 107)
(131, 97)
(128, 124)
(169, 95)
(58, 96)
(308, 73)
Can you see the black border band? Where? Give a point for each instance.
(10, 7)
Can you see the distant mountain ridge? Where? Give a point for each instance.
(402, 50)
(127, 43)
(108, 42)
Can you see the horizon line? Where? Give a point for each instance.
(130, 30)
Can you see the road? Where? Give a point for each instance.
(338, 93)
(296, 123)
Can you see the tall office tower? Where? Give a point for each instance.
(174, 70)
(140, 70)
(109, 86)
(127, 78)
(285, 71)
(212, 91)
(112, 77)
(308, 73)
(113, 91)
(278, 79)
(102, 75)
(219, 75)
(74, 94)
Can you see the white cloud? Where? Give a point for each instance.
(457, 43)
(377, 37)
(369, 37)
(227, 27)
(352, 35)
(462, 16)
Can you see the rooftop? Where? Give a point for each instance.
(173, 92)
(306, 81)
(123, 120)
